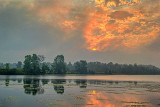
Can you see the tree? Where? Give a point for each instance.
(7, 66)
(59, 66)
(27, 64)
(81, 67)
(1, 65)
(41, 58)
(32, 64)
(35, 64)
(19, 64)
(70, 66)
(45, 68)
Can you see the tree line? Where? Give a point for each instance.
(35, 65)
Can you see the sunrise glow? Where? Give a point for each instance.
(105, 24)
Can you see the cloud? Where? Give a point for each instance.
(20, 30)
(131, 25)
(121, 15)
(155, 45)
(79, 27)
(104, 24)
(134, 25)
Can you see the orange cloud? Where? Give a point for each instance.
(111, 3)
(99, 1)
(132, 27)
(104, 24)
(121, 15)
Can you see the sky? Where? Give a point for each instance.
(118, 31)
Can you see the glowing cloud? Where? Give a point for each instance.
(127, 27)
(104, 24)
(99, 1)
(111, 3)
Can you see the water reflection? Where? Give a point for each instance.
(7, 82)
(45, 81)
(19, 80)
(85, 93)
(100, 99)
(58, 86)
(32, 86)
(81, 83)
(36, 86)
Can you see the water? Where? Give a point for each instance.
(80, 91)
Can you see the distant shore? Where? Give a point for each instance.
(35, 65)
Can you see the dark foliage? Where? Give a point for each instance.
(34, 65)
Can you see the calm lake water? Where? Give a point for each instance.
(80, 91)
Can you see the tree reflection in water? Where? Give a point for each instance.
(45, 81)
(7, 82)
(81, 83)
(93, 93)
(32, 86)
(58, 86)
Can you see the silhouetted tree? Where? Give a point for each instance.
(81, 67)
(59, 66)
(19, 64)
(27, 64)
(7, 66)
(32, 64)
(45, 68)
(35, 64)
